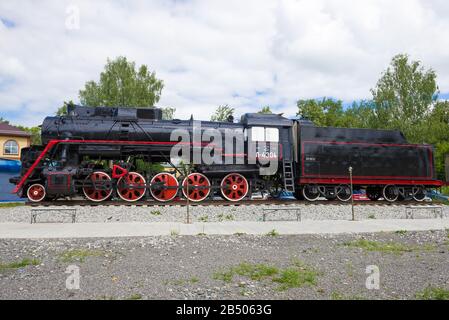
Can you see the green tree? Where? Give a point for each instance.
(324, 112)
(223, 113)
(63, 110)
(168, 113)
(121, 84)
(265, 110)
(404, 94)
(35, 134)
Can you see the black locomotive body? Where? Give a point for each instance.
(381, 161)
(96, 152)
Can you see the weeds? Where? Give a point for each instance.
(390, 247)
(11, 204)
(295, 276)
(135, 296)
(272, 233)
(79, 255)
(433, 293)
(338, 296)
(20, 264)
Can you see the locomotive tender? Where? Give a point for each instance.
(94, 152)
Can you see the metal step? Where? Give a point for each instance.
(289, 179)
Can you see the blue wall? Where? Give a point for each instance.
(8, 169)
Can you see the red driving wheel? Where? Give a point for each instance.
(234, 187)
(131, 187)
(164, 187)
(199, 187)
(101, 188)
(36, 192)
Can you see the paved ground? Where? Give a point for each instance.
(228, 267)
(130, 229)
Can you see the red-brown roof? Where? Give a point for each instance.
(9, 130)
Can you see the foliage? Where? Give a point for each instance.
(168, 113)
(386, 247)
(404, 94)
(295, 276)
(148, 167)
(63, 110)
(79, 255)
(272, 233)
(223, 113)
(265, 110)
(3, 120)
(432, 293)
(325, 113)
(404, 98)
(35, 134)
(19, 264)
(11, 204)
(122, 85)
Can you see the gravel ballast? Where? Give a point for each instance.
(195, 267)
(215, 213)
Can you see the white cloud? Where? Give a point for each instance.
(215, 52)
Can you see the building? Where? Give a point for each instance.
(12, 140)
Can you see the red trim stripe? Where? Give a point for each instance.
(52, 143)
(435, 183)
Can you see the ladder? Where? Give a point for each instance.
(289, 180)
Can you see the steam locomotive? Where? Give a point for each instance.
(95, 152)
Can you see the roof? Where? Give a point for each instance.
(9, 130)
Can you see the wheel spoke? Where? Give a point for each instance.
(234, 187)
(169, 187)
(198, 185)
(131, 187)
(100, 189)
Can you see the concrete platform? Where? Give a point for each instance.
(140, 229)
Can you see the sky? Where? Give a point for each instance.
(247, 54)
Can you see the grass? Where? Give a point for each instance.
(338, 296)
(386, 247)
(135, 296)
(155, 212)
(401, 232)
(174, 233)
(239, 234)
(225, 276)
(79, 255)
(295, 276)
(272, 233)
(433, 293)
(11, 204)
(255, 271)
(19, 264)
(372, 216)
(227, 217)
(201, 234)
(203, 218)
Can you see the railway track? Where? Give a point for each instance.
(183, 203)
